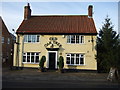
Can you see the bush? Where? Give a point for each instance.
(42, 61)
(61, 63)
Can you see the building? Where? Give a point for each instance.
(7, 41)
(70, 36)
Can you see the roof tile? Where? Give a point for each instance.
(58, 24)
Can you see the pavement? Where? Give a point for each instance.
(33, 78)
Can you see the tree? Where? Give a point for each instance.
(108, 46)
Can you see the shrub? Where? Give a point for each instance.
(61, 62)
(42, 61)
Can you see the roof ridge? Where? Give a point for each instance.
(56, 15)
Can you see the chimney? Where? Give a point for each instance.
(90, 11)
(27, 12)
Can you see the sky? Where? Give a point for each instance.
(13, 12)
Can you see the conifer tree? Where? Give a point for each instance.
(107, 47)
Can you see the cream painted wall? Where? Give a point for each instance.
(88, 48)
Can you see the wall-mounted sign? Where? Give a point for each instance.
(52, 38)
(52, 44)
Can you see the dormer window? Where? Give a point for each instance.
(75, 39)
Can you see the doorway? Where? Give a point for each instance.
(52, 57)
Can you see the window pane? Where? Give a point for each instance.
(28, 58)
(72, 55)
(68, 39)
(24, 58)
(68, 60)
(32, 59)
(77, 60)
(81, 61)
(77, 39)
(28, 54)
(72, 38)
(25, 38)
(32, 54)
(77, 55)
(29, 38)
(37, 59)
(33, 38)
(82, 39)
(72, 60)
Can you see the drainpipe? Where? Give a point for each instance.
(92, 40)
(22, 50)
(17, 54)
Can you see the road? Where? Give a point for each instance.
(32, 78)
(58, 84)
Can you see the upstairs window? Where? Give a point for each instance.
(31, 38)
(75, 39)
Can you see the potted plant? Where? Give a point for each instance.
(61, 64)
(41, 63)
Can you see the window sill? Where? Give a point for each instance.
(32, 42)
(77, 43)
(75, 65)
(29, 63)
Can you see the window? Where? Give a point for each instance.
(31, 38)
(2, 39)
(8, 40)
(75, 59)
(31, 57)
(68, 39)
(82, 39)
(75, 39)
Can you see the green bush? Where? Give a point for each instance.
(42, 61)
(61, 62)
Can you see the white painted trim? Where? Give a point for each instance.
(30, 57)
(31, 38)
(75, 59)
(55, 60)
(75, 39)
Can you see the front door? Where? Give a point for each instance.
(52, 60)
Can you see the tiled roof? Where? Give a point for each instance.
(67, 24)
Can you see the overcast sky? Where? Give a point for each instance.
(13, 12)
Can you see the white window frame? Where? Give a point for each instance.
(31, 41)
(80, 41)
(75, 58)
(30, 57)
